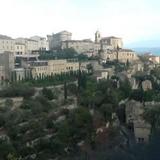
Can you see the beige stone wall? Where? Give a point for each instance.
(54, 67)
(7, 61)
(116, 42)
(112, 41)
(7, 45)
(42, 42)
(30, 45)
(19, 49)
(2, 73)
(123, 55)
(127, 55)
(147, 85)
(134, 111)
(79, 46)
(55, 40)
(142, 131)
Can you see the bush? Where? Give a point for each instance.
(48, 93)
(17, 91)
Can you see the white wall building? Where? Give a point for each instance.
(6, 44)
(30, 45)
(42, 42)
(55, 40)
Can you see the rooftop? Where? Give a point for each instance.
(84, 40)
(5, 37)
(111, 37)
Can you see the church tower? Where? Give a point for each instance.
(97, 37)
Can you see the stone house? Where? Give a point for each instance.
(134, 119)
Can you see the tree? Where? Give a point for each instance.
(5, 148)
(107, 110)
(48, 93)
(72, 88)
(65, 90)
(152, 116)
(137, 95)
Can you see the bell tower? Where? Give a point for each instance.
(97, 37)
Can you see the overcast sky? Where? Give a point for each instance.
(133, 20)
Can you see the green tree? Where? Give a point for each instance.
(107, 110)
(48, 93)
(65, 90)
(152, 116)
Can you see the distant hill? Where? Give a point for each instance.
(155, 51)
(152, 46)
(144, 44)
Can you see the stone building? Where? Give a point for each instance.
(7, 63)
(2, 74)
(123, 55)
(6, 44)
(155, 59)
(101, 75)
(42, 42)
(55, 40)
(52, 67)
(147, 85)
(134, 118)
(19, 49)
(112, 41)
(81, 46)
(19, 74)
(88, 46)
(30, 44)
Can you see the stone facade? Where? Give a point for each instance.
(112, 41)
(55, 40)
(88, 46)
(30, 44)
(147, 85)
(52, 67)
(81, 46)
(22, 46)
(2, 73)
(7, 61)
(124, 55)
(6, 44)
(134, 116)
(101, 74)
(155, 59)
(19, 49)
(42, 42)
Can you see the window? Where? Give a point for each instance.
(140, 140)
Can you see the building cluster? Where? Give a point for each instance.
(6, 65)
(33, 68)
(105, 47)
(24, 49)
(22, 46)
(134, 119)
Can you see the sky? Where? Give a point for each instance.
(133, 20)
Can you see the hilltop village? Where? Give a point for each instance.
(64, 99)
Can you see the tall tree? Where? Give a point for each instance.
(65, 90)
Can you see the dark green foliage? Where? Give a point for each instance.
(65, 90)
(137, 95)
(72, 88)
(107, 110)
(152, 116)
(68, 53)
(48, 93)
(5, 149)
(52, 80)
(17, 91)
